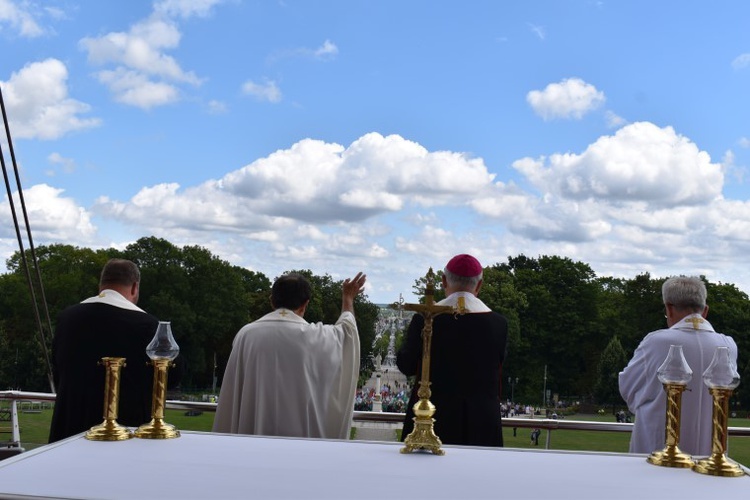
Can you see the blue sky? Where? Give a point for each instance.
(387, 136)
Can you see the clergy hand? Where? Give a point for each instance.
(351, 288)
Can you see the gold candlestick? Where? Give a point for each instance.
(110, 430)
(157, 428)
(675, 374)
(671, 456)
(722, 378)
(162, 350)
(718, 464)
(423, 436)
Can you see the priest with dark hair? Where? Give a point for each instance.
(466, 361)
(288, 377)
(109, 324)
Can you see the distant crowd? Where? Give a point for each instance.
(393, 401)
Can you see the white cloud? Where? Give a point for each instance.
(326, 51)
(644, 199)
(631, 166)
(615, 194)
(135, 89)
(216, 107)
(185, 8)
(21, 16)
(570, 98)
(312, 182)
(538, 31)
(744, 142)
(143, 74)
(51, 216)
(742, 61)
(207, 207)
(613, 120)
(38, 105)
(267, 91)
(141, 49)
(731, 169)
(67, 164)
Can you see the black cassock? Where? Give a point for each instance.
(466, 364)
(85, 333)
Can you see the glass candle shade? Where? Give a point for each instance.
(163, 345)
(675, 369)
(722, 372)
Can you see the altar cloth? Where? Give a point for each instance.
(222, 466)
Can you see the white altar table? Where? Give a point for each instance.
(220, 466)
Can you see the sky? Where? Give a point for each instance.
(386, 136)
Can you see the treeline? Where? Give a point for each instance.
(584, 328)
(578, 329)
(207, 300)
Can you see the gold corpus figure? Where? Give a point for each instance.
(718, 464)
(157, 428)
(671, 456)
(110, 430)
(423, 436)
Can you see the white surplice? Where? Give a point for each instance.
(112, 298)
(472, 303)
(288, 377)
(645, 395)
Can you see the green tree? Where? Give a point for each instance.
(205, 298)
(612, 361)
(66, 279)
(420, 287)
(499, 293)
(729, 313)
(380, 348)
(558, 328)
(643, 310)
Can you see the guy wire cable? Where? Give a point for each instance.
(29, 280)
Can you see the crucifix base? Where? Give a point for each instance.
(423, 436)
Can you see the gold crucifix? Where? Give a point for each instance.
(423, 436)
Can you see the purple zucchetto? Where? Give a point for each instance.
(464, 265)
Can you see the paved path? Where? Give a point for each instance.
(367, 431)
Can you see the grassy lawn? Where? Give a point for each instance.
(35, 430)
(739, 447)
(35, 426)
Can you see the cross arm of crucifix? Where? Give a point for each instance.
(429, 309)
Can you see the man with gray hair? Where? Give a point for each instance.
(467, 357)
(686, 311)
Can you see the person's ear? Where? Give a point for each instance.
(705, 312)
(301, 311)
(479, 287)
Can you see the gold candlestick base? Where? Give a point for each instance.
(157, 429)
(109, 430)
(671, 456)
(423, 436)
(718, 465)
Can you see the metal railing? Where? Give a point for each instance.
(546, 424)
